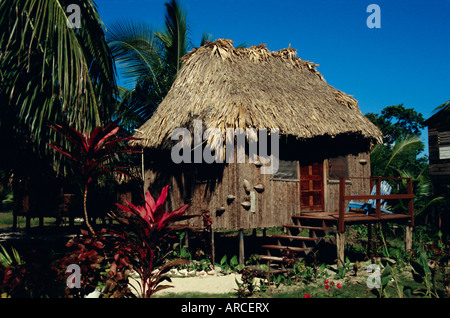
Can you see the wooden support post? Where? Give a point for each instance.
(408, 237)
(71, 220)
(241, 247)
(341, 221)
(378, 201)
(27, 221)
(213, 247)
(411, 201)
(14, 227)
(186, 238)
(340, 244)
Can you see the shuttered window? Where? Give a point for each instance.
(287, 170)
(338, 167)
(444, 145)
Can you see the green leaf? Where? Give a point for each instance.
(223, 260)
(385, 280)
(418, 268)
(234, 261)
(387, 271)
(407, 291)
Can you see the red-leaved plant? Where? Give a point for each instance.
(142, 244)
(92, 154)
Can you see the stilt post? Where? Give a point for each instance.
(241, 247)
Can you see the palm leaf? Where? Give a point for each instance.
(400, 147)
(53, 72)
(149, 62)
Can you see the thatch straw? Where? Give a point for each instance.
(229, 87)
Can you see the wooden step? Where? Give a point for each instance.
(315, 228)
(281, 247)
(315, 216)
(271, 258)
(292, 237)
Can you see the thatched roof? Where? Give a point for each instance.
(229, 87)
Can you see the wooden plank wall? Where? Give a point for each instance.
(273, 207)
(353, 186)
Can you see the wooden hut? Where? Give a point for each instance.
(439, 145)
(323, 137)
(439, 155)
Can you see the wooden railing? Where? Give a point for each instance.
(378, 197)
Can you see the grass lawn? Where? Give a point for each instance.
(6, 221)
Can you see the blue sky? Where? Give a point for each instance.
(406, 61)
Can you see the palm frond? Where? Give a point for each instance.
(445, 107)
(54, 72)
(175, 36)
(136, 50)
(400, 147)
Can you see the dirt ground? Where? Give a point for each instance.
(210, 284)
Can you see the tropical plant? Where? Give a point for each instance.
(29, 275)
(142, 243)
(6, 259)
(248, 286)
(423, 194)
(444, 107)
(149, 60)
(51, 71)
(389, 162)
(92, 155)
(89, 253)
(397, 122)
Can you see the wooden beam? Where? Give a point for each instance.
(340, 244)
(341, 222)
(411, 201)
(241, 247)
(213, 248)
(14, 227)
(408, 237)
(381, 196)
(378, 202)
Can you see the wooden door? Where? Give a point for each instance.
(311, 187)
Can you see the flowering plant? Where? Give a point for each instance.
(141, 244)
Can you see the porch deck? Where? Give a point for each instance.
(352, 217)
(318, 223)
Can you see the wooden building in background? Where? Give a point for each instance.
(439, 156)
(439, 145)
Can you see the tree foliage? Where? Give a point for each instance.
(402, 148)
(149, 60)
(396, 122)
(52, 72)
(401, 155)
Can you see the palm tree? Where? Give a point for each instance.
(445, 107)
(388, 162)
(395, 163)
(149, 60)
(51, 72)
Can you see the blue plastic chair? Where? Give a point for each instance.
(371, 205)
